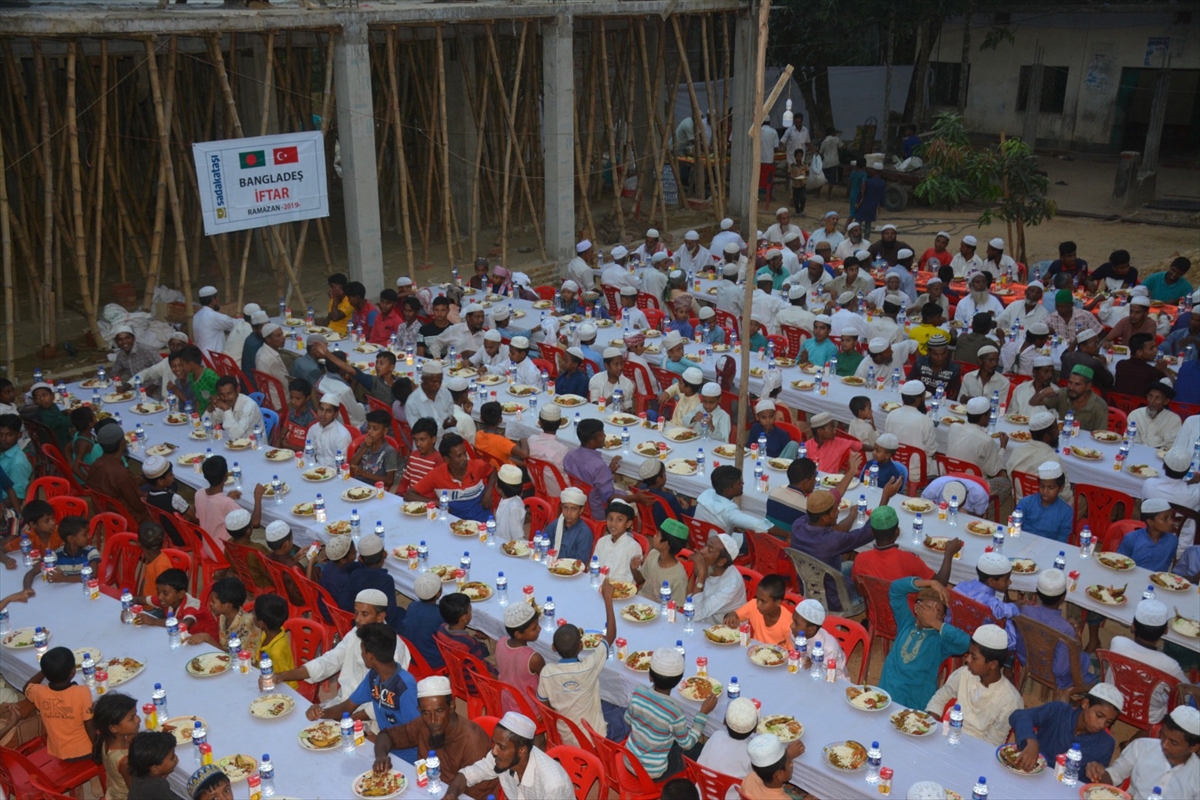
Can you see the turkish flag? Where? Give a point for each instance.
(286, 155)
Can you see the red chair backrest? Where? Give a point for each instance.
(239, 557)
(665, 377)
(1117, 420)
(713, 785)
(51, 486)
(791, 430)
(751, 578)
(914, 460)
(1124, 402)
(1184, 410)
(1027, 482)
(640, 377)
(647, 302)
(584, 768)
(498, 695)
(727, 320)
(699, 531)
(548, 481)
(968, 614)
(769, 557)
(107, 524)
(654, 317)
(850, 635)
(599, 527)
(547, 366)
(795, 337)
(184, 561)
(65, 506)
(552, 355)
(307, 638)
(541, 513)
(950, 465)
(545, 292)
(1111, 540)
(418, 667)
(560, 729)
(462, 669)
(612, 296)
(118, 562)
(1103, 506)
(487, 723)
(879, 609)
(53, 457)
(1137, 682)
(103, 502)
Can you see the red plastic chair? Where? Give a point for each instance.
(795, 336)
(239, 557)
(699, 531)
(967, 614)
(655, 317)
(34, 763)
(374, 404)
(538, 472)
(1104, 506)
(487, 723)
(1137, 682)
(713, 785)
(118, 562)
(768, 557)
(914, 460)
(459, 662)
(791, 430)
(1115, 533)
(1184, 410)
(181, 560)
(639, 375)
(497, 694)
(275, 396)
(1024, 483)
(727, 320)
(1117, 420)
(560, 729)
(50, 486)
(541, 513)
(647, 302)
(551, 355)
(1124, 402)
(104, 503)
(618, 761)
(584, 768)
(849, 635)
(419, 668)
(53, 456)
(879, 609)
(612, 296)
(107, 524)
(751, 578)
(357, 441)
(665, 378)
(308, 639)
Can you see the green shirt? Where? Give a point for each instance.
(1093, 417)
(54, 419)
(202, 390)
(848, 362)
(1167, 293)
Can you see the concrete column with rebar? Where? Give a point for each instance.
(558, 71)
(741, 98)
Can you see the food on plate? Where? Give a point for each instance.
(176, 418)
(209, 664)
(890, 405)
(1115, 561)
(917, 505)
(681, 434)
(443, 571)
(271, 706)
(853, 380)
(566, 567)
(357, 493)
(722, 634)
(1106, 436)
(699, 688)
(386, 784)
(21, 638)
(164, 449)
(237, 444)
(847, 756)
(198, 435)
(189, 459)
(1086, 453)
(683, 466)
(1120, 350)
(623, 419)
(280, 454)
(95, 383)
(1102, 791)
(318, 474)
(464, 527)
(836, 478)
(696, 359)
(569, 400)
(1170, 581)
(980, 528)
(182, 728)
(521, 390)
(726, 450)
(959, 408)
(639, 612)
(639, 660)
(912, 722)
(623, 590)
(1109, 595)
(543, 304)
(784, 361)
(121, 670)
(592, 639)
(868, 698)
(788, 729)
(612, 441)
(1142, 470)
(366, 347)
(477, 591)
(951, 421)
(938, 543)
(803, 386)
(1018, 419)
(303, 509)
(323, 735)
(238, 767)
(270, 492)
(489, 380)
(516, 547)
(339, 528)
(118, 397)
(1020, 436)
(767, 655)
(1024, 566)
(512, 408)
(1186, 626)
(149, 407)
(414, 508)
(779, 463)
(649, 449)
(810, 369)
(1008, 754)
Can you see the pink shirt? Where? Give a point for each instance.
(211, 510)
(512, 664)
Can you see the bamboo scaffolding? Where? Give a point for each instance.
(49, 328)
(10, 287)
(81, 261)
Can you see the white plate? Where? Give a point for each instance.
(570, 400)
(682, 466)
(272, 706)
(188, 459)
(925, 717)
(628, 616)
(681, 434)
(21, 639)
(234, 773)
(355, 494)
(319, 474)
(164, 449)
(147, 408)
(121, 670)
(327, 727)
(887, 698)
(781, 727)
(754, 650)
(202, 665)
(280, 454)
(399, 782)
(182, 728)
(79, 651)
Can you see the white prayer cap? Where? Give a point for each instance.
(993, 564)
(926, 790)
(888, 441)
(1154, 505)
(765, 750)
(370, 545)
(1108, 693)
(666, 661)
(1040, 329)
(1195, 296)
(336, 549)
(912, 388)
(178, 336)
(439, 685)
(610, 352)
(812, 611)
(816, 260)
(577, 352)
(675, 273)
(1140, 301)
(933, 280)
(119, 329)
(569, 286)
(726, 224)
(730, 544)
(760, 236)
(693, 375)
(829, 214)
(208, 291)
(970, 241)
(691, 236)
(672, 339)
(863, 256)
(1085, 336)
(519, 724)
(370, 597)
(987, 349)
(518, 343)
(706, 312)
(250, 308)
(649, 469)
(431, 368)
(1042, 420)
(796, 291)
(942, 234)
(269, 329)
(993, 637)
(1043, 361)
(1052, 583)
(620, 251)
(888, 227)
(511, 475)
(583, 246)
(820, 420)
(825, 318)
(791, 236)
(629, 291)
(741, 715)
(652, 233)
(500, 313)
(853, 224)
(518, 615)
(587, 331)
(1050, 470)
(711, 389)
(472, 308)
(897, 300)
(404, 281)
(1035, 285)
(904, 252)
(1187, 718)
(1177, 460)
(426, 586)
(260, 318)
(845, 297)
(235, 520)
(997, 243)
(155, 466)
(659, 257)
(550, 413)
(774, 252)
(780, 211)
(457, 383)
(732, 249)
(492, 336)
(1151, 612)
(878, 345)
(764, 405)
(278, 531)
(573, 495)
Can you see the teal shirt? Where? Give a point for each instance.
(819, 352)
(777, 280)
(910, 671)
(1167, 293)
(92, 454)
(677, 366)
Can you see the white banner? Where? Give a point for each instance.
(265, 180)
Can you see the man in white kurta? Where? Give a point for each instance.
(654, 277)
(693, 256)
(525, 772)
(236, 413)
(1157, 425)
(727, 235)
(628, 314)
(978, 300)
(911, 425)
(1026, 312)
(465, 337)
(209, 325)
(782, 227)
(430, 399)
(765, 307)
(1043, 374)
(645, 251)
(334, 389)
(795, 314)
(605, 382)
(267, 359)
(730, 297)
(970, 442)
(965, 263)
(617, 273)
(328, 435)
(242, 328)
(886, 356)
(998, 262)
(718, 586)
(987, 379)
(579, 268)
(493, 356)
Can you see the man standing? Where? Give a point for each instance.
(241, 329)
(249, 355)
(579, 268)
(132, 356)
(235, 412)
(209, 325)
(795, 138)
(1077, 396)
(769, 144)
(972, 443)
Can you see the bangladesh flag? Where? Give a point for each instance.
(252, 159)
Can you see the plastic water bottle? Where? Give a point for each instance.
(380, 531)
(870, 376)
(991, 423)
(762, 443)
(49, 563)
(173, 637)
(502, 589)
(433, 769)
(918, 528)
(266, 771)
(664, 597)
(355, 524)
(758, 472)
(319, 508)
(5, 624)
(236, 472)
(277, 489)
(594, 572)
(1156, 794)
(800, 645)
(861, 519)
(199, 737)
(89, 669)
(998, 539)
(444, 506)
(422, 557)
(347, 726)
(818, 662)
(235, 644)
(700, 461)
(40, 645)
(980, 792)
(689, 615)
(874, 761)
(873, 476)
(1074, 758)
(490, 528)
(953, 517)
(548, 614)
(464, 564)
(26, 550)
(1085, 542)
(266, 671)
(159, 696)
(1149, 593)
(733, 691)
(126, 607)
(956, 723)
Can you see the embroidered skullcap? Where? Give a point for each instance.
(1049, 471)
(370, 545)
(706, 312)
(573, 495)
(1043, 361)
(1052, 582)
(235, 520)
(1040, 329)
(993, 564)
(730, 268)
(518, 615)
(796, 291)
(1187, 718)
(457, 383)
(691, 236)
(904, 252)
(652, 233)
(1151, 612)
(492, 336)
(878, 345)
(277, 531)
(766, 404)
(693, 375)
(369, 597)
(731, 249)
(432, 368)
(203, 779)
(730, 544)
(884, 518)
(711, 389)
(336, 549)
(970, 241)
(511, 475)
(439, 685)
(628, 291)
(888, 441)
(155, 466)
(569, 286)
(987, 349)
(659, 257)
(472, 308)
(426, 586)
(550, 413)
(1154, 505)
(819, 502)
(937, 340)
(620, 251)
(765, 750)
(812, 611)
(649, 469)
(993, 637)
(1108, 693)
(1177, 460)
(741, 715)
(821, 420)
(268, 328)
(667, 662)
(978, 405)
(1144, 302)
(912, 388)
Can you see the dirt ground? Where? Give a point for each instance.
(1078, 186)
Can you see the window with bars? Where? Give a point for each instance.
(945, 77)
(1054, 88)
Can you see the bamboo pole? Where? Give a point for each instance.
(506, 113)
(608, 123)
(49, 321)
(10, 306)
(401, 157)
(764, 12)
(444, 126)
(702, 152)
(326, 105)
(480, 116)
(81, 260)
(651, 102)
(102, 151)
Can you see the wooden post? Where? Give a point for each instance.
(10, 306)
(81, 261)
(401, 158)
(613, 156)
(764, 12)
(102, 153)
(445, 142)
(49, 319)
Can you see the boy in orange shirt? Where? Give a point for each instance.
(65, 707)
(154, 561)
(768, 622)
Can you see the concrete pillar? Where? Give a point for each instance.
(1158, 116)
(1033, 103)
(462, 134)
(558, 81)
(356, 132)
(741, 97)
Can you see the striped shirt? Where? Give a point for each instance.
(655, 722)
(418, 467)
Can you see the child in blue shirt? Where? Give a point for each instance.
(75, 553)
(423, 618)
(779, 442)
(1045, 513)
(1152, 547)
(885, 447)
